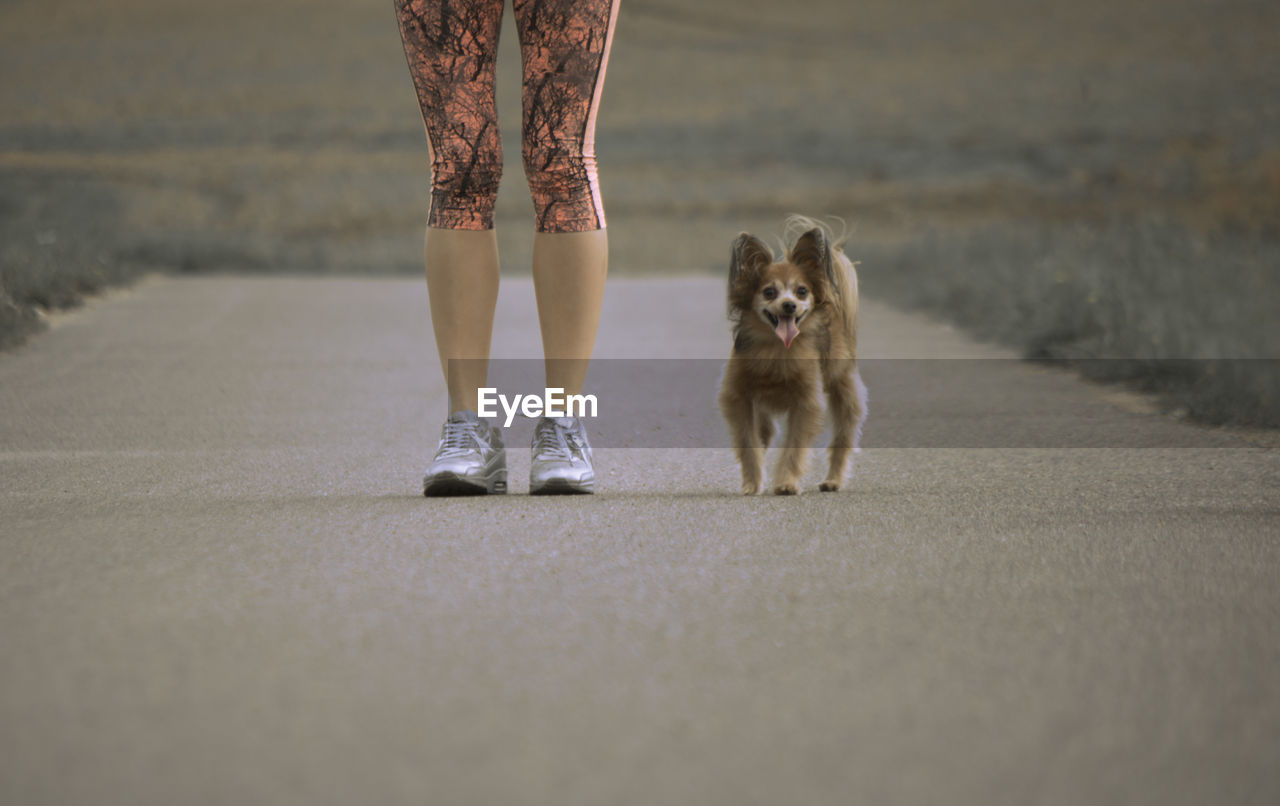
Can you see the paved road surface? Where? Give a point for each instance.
(220, 585)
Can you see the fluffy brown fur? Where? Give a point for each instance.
(794, 325)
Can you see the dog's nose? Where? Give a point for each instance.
(788, 307)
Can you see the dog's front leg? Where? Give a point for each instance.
(847, 403)
(804, 423)
(740, 414)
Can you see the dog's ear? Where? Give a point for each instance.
(813, 254)
(749, 257)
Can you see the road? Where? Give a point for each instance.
(219, 582)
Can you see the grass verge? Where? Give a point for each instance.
(1146, 302)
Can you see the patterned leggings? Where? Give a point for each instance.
(452, 46)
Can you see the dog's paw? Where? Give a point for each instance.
(829, 486)
(750, 489)
(786, 489)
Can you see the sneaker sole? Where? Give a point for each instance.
(564, 487)
(451, 484)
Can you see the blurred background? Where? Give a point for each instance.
(1097, 179)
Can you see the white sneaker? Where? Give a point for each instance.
(561, 458)
(470, 459)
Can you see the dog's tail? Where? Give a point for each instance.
(797, 225)
(844, 274)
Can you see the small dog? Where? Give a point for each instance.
(794, 323)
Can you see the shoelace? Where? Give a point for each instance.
(552, 441)
(459, 439)
(549, 442)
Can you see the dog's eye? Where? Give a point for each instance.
(802, 292)
(770, 292)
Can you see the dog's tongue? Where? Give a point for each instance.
(787, 330)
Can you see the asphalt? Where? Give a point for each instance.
(220, 584)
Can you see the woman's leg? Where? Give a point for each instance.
(451, 47)
(462, 284)
(569, 270)
(565, 49)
